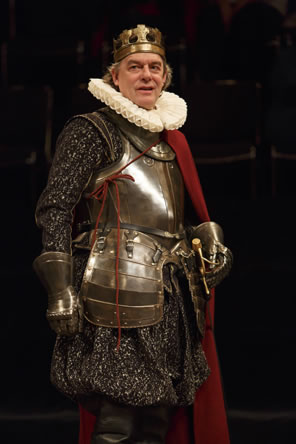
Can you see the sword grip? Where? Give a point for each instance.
(197, 247)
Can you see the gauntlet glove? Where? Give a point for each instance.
(64, 312)
(220, 257)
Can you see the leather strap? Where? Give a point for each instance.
(83, 227)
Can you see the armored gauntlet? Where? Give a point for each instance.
(219, 257)
(64, 312)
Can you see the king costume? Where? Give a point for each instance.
(116, 219)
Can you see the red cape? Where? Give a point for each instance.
(209, 416)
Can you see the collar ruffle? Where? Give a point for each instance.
(170, 111)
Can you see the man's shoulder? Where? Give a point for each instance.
(98, 120)
(95, 117)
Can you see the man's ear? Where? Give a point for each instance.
(163, 79)
(115, 77)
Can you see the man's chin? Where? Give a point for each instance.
(145, 100)
(146, 104)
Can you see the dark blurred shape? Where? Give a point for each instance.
(253, 28)
(223, 132)
(26, 131)
(52, 61)
(82, 101)
(279, 120)
(209, 52)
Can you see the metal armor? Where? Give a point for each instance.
(151, 235)
(64, 313)
(218, 256)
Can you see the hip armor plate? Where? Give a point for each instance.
(140, 280)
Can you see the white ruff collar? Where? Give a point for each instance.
(170, 110)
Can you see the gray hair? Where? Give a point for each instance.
(107, 77)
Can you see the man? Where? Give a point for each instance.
(129, 346)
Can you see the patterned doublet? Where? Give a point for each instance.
(161, 364)
(79, 150)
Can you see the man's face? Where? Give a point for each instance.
(140, 78)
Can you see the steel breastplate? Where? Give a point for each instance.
(154, 199)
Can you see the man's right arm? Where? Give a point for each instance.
(79, 150)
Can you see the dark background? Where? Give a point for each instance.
(236, 68)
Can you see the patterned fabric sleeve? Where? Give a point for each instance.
(79, 150)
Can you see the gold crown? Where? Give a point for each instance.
(139, 39)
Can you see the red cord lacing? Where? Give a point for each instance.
(101, 194)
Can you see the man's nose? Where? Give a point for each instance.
(146, 74)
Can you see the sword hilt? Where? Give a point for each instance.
(197, 247)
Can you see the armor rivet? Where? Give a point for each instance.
(157, 268)
(123, 313)
(158, 280)
(149, 161)
(140, 322)
(125, 323)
